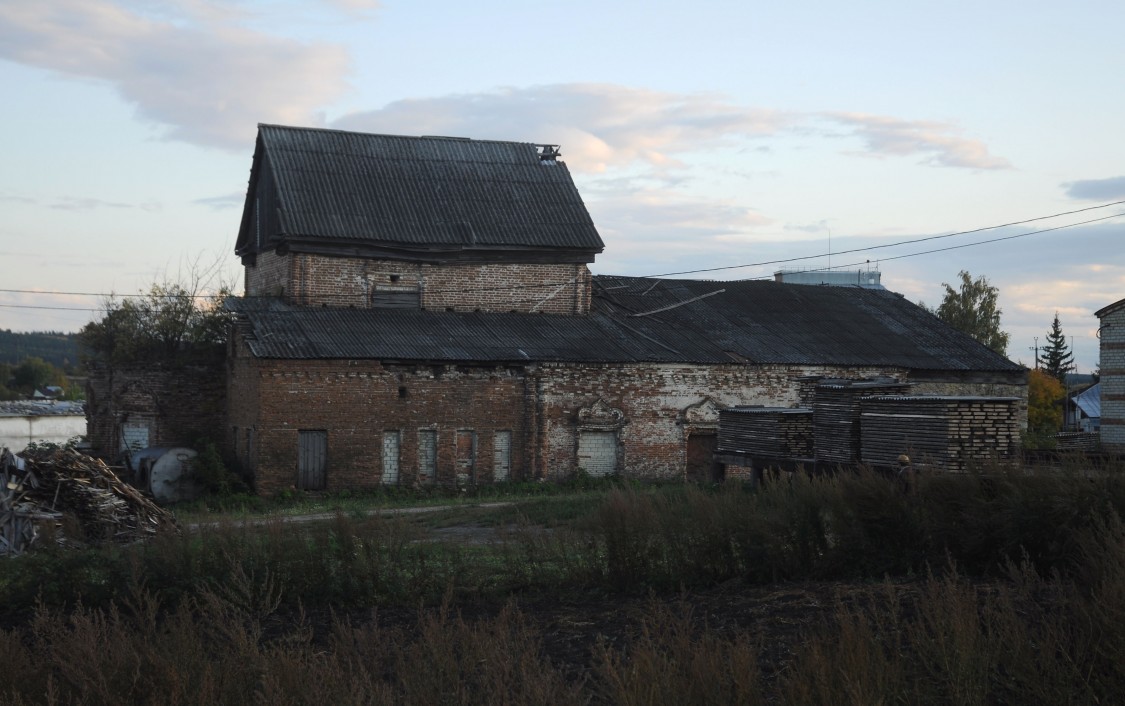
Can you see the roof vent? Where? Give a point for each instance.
(548, 154)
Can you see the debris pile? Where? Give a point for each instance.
(44, 485)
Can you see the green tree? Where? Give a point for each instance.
(1056, 359)
(972, 309)
(36, 373)
(169, 322)
(1045, 397)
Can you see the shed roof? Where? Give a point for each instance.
(337, 188)
(1090, 401)
(636, 320)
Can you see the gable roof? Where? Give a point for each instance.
(639, 320)
(389, 194)
(1109, 308)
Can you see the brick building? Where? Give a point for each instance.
(1111, 334)
(421, 310)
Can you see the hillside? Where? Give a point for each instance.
(59, 349)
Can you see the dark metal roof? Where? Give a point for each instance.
(747, 322)
(439, 193)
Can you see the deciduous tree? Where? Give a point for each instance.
(169, 321)
(972, 308)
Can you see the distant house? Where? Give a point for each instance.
(1085, 412)
(1111, 333)
(420, 310)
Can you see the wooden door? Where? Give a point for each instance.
(312, 459)
(466, 456)
(701, 466)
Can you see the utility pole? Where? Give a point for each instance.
(1036, 349)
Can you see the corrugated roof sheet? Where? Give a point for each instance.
(423, 191)
(1090, 401)
(752, 322)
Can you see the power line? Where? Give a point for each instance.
(910, 241)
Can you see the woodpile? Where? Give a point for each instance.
(950, 433)
(836, 415)
(775, 432)
(46, 485)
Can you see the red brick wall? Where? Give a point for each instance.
(356, 401)
(269, 276)
(178, 403)
(339, 281)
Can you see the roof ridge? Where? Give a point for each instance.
(400, 137)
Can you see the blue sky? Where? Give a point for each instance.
(700, 134)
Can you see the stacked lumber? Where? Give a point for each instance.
(47, 484)
(836, 415)
(949, 433)
(1076, 441)
(776, 432)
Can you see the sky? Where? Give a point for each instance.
(701, 135)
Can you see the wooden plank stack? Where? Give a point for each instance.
(57, 481)
(774, 432)
(945, 432)
(836, 432)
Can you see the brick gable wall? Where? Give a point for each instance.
(313, 280)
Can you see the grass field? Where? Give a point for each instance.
(993, 588)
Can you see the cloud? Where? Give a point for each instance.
(937, 142)
(598, 125)
(220, 203)
(184, 64)
(661, 215)
(79, 203)
(1096, 189)
(602, 126)
(820, 226)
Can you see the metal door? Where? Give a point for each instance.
(312, 459)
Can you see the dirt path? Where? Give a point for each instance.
(323, 516)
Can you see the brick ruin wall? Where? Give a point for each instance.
(538, 408)
(313, 280)
(655, 399)
(178, 404)
(1112, 361)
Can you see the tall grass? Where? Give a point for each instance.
(1020, 598)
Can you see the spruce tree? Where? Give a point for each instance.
(1056, 359)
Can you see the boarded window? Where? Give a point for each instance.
(466, 456)
(134, 437)
(390, 457)
(597, 452)
(427, 455)
(312, 459)
(501, 455)
(395, 297)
